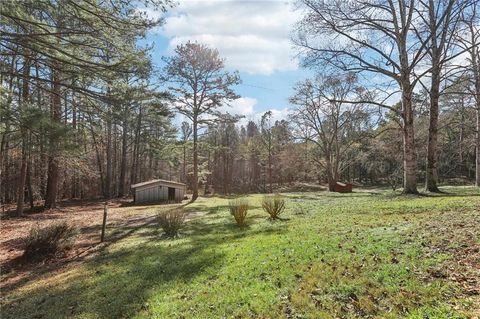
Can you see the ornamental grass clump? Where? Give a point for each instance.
(273, 205)
(171, 222)
(49, 241)
(239, 208)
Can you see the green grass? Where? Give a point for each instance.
(359, 255)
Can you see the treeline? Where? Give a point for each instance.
(79, 116)
(85, 114)
(268, 155)
(393, 49)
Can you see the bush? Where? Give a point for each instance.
(273, 205)
(239, 208)
(171, 222)
(49, 241)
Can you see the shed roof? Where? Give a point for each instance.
(156, 181)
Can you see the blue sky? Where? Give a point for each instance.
(253, 37)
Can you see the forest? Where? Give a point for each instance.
(390, 104)
(85, 113)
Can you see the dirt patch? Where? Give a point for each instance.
(123, 219)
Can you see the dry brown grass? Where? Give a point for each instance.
(171, 221)
(273, 205)
(239, 208)
(46, 242)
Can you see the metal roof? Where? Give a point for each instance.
(156, 181)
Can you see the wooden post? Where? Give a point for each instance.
(104, 224)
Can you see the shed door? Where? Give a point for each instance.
(171, 194)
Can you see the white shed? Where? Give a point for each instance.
(158, 190)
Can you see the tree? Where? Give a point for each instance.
(67, 51)
(458, 120)
(441, 22)
(267, 139)
(252, 149)
(282, 138)
(200, 86)
(375, 38)
(221, 145)
(334, 126)
(25, 145)
(469, 39)
(186, 130)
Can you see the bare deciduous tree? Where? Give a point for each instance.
(334, 126)
(469, 39)
(439, 23)
(375, 38)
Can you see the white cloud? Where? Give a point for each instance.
(242, 106)
(278, 115)
(245, 106)
(253, 36)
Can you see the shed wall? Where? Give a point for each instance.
(157, 193)
(179, 193)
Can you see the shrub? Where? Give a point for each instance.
(171, 222)
(239, 208)
(49, 241)
(273, 205)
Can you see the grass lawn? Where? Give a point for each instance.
(369, 254)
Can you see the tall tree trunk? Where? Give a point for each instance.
(116, 162)
(461, 141)
(136, 146)
(29, 183)
(23, 166)
(438, 33)
(195, 161)
(409, 153)
(331, 181)
(21, 181)
(305, 163)
(184, 162)
(331, 178)
(97, 154)
(123, 165)
(108, 175)
(432, 148)
(3, 161)
(53, 167)
(225, 171)
(74, 179)
(477, 144)
(270, 168)
(4, 145)
(475, 55)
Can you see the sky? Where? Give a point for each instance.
(252, 36)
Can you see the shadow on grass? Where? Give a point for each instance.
(119, 281)
(448, 194)
(115, 285)
(32, 271)
(442, 193)
(114, 233)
